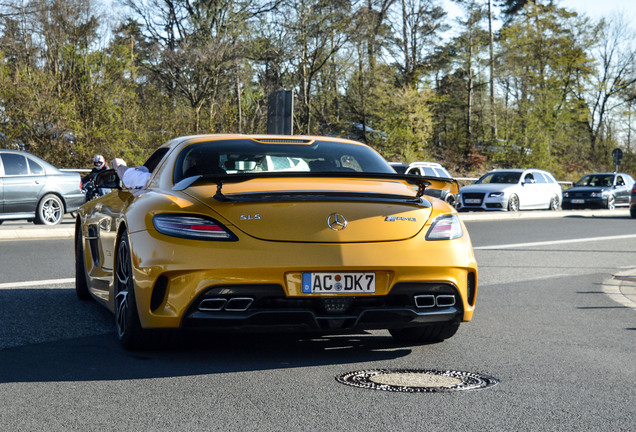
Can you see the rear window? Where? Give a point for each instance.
(35, 167)
(248, 156)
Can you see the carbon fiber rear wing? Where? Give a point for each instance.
(422, 182)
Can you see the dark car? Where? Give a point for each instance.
(35, 190)
(599, 190)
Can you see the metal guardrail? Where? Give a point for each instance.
(77, 170)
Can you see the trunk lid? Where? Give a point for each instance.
(319, 210)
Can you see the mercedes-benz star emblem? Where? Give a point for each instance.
(336, 221)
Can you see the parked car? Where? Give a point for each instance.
(242, 245)
(512, 190)
(33, 189)
(433, 169)
(599, 190)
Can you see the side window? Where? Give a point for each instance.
(619, 181)
(35, 167)
(529, 178)
(14, 164)
(413, 171)
(539, 178)
(441, 172)
(430, 172)
(155, 158)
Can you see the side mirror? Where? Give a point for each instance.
(108, 180)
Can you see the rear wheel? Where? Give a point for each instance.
(425, 334)
(554, 203)
(632, 211)
(129, 331)
(50, 210)
(81, 278)
(513, 203)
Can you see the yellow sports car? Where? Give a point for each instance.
(254, 233)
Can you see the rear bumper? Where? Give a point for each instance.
(73, 202)
(271, 310)
(172, 276)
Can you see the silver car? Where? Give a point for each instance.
(512, 190)
(35, 190)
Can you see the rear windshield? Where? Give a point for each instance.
(248, 156)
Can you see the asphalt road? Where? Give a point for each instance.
(561, 348)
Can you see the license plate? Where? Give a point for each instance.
(472, 201)
(338, 283)
(578, 201)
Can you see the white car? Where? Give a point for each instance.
(512, 190)
(432, 169)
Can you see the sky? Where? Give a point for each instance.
(602, 8)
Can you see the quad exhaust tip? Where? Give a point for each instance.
(235, 304)
(424, 301)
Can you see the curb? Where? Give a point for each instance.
(622, 288)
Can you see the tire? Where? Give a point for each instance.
(81, 278)
(129, 331)
(425, 334)
(50, 210)
(632, 211)
(611, 202)
(513, 203)
(554, 203)
(450, 199)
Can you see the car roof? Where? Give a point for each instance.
(32, 156)
(427, 164)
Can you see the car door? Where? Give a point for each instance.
(529, 195)
(621, 190)
(544, 190)
(21, 189)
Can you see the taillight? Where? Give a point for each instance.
(192, 227)
(445, 227)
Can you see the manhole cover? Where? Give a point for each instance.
(416, 380)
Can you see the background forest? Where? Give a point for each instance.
(505, 83)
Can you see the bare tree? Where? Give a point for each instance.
(613, 74)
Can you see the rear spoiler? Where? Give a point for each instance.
(422, 182)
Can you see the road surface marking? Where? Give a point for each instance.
(555, 242)
(26, 284)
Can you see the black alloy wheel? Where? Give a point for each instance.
(129, 331)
